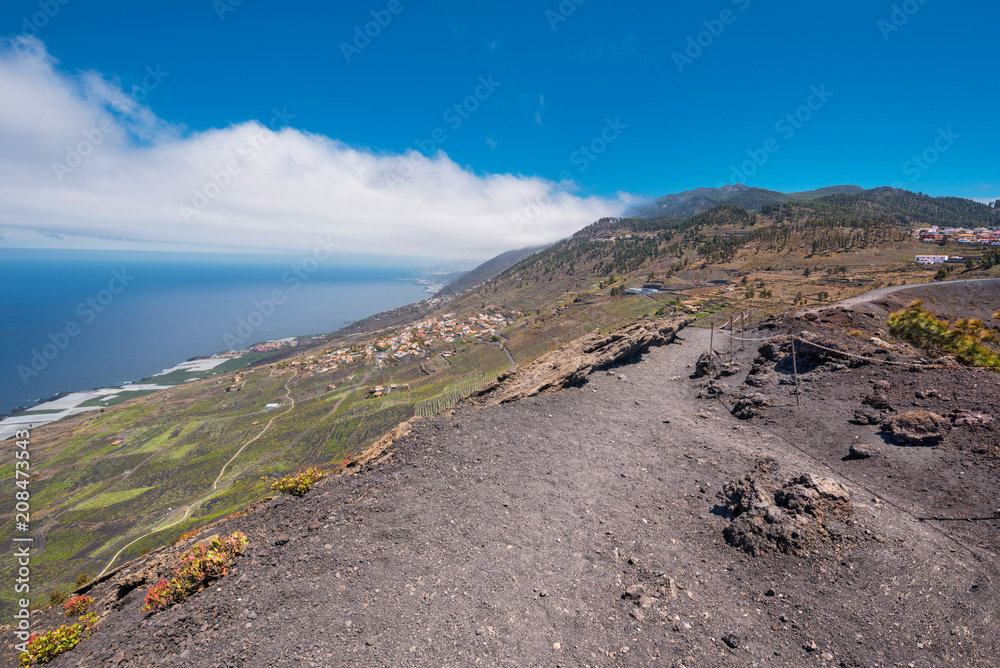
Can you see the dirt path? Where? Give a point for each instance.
(291, 407)
(507, 536)
(187, 510)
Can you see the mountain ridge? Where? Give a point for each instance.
(693, 202)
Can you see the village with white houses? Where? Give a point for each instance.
(980, 236)
(412, 341)
(447, 329)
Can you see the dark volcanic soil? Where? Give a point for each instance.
(515, 535)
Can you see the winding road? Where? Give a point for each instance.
(187, 511)
(215, 485)
(882, 293)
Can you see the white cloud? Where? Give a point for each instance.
(986, 200)
(146, 183)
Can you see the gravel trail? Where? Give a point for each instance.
(509, 535)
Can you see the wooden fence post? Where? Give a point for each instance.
(795, 371)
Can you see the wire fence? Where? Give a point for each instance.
(873, 360)
(844, 353)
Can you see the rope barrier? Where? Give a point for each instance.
(738, 338)
(922, 365)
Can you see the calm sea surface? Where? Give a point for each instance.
(78, 320)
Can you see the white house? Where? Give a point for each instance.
(931, 259)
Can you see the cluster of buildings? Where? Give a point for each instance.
(980, 236)
(412, 341)
(645, 290)
(380, 390)
(940, 259)
(416, 339)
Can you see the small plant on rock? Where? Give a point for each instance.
(200, 565)
(298, 484)
(78, 605)
(183, 537)
(45, 647)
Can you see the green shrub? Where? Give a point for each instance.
(78, 605)
(298, 484)
(56, 597)
(199, 566)
(45, 647)
(963, 340)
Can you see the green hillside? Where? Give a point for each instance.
(693, 202)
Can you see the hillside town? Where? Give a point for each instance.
(980, 236)
(413, 341)
(447, 329)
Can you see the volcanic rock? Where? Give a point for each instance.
(572, 363)
(859, 451)
(877, 400)
(917, 428)
(705, 365)
(867, 416)
(968, 418)
(748, 407)
(728, 369)
(790, 518)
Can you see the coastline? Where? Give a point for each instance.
(68, 403)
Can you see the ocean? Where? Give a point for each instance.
(78, 320)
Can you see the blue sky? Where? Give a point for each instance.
(666, 98)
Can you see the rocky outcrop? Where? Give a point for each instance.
(706, 365)
(791, 517)
(878, 400)
(809, 347)
(861, 451)
(917, 428)
(573, 362)
(728, 369)
(969, 419)
(773, 349)
(867, 416)
(749, 407)
(713, 389)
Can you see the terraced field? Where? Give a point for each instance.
(109, 485)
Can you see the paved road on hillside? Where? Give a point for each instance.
(882, 293)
